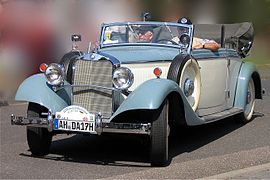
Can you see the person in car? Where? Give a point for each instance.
(145, 34)
(199, 43)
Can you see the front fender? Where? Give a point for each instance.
(35, 89)
(247, 71)
(151, 94)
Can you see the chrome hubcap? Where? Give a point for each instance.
(188, 87)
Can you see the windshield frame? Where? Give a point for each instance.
(104, 26)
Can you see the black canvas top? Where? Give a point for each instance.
(237, 36)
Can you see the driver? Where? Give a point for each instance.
(145, 34)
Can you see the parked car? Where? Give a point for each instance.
(142, 87)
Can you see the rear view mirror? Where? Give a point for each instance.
(75, 38)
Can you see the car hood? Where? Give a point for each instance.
(138, 54)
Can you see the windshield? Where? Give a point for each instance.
(168, 34)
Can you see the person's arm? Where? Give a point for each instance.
(206, 44)
(212, 45)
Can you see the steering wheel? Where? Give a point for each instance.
(167, 41)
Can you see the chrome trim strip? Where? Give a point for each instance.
(72, 80)
(94, 86)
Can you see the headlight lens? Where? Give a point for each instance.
(54, 74)
(122, 78)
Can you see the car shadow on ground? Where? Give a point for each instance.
(130, 150)
(189, 139)
(107, 149)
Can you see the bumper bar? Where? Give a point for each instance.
(128, 128)
(34, 122)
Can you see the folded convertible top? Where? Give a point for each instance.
(237, 36)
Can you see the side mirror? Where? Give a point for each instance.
(184, 39)
(76, 37)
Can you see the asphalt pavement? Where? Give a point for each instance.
(254, 172)
(224, 149)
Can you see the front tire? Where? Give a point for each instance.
(39, 139)
(159, 138)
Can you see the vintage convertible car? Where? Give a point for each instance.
(142, 87)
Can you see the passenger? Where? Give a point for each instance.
(199, 43)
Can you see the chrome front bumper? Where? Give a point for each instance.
(128, 128)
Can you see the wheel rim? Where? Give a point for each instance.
(190, 80)
(250, 100)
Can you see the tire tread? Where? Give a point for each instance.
(39, 139)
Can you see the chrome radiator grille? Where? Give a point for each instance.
(97, 73)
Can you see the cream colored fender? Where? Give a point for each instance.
(186, 72)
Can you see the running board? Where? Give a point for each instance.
(222, 115)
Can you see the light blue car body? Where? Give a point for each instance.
(148, 96)
(35, 89)
(248, 70)
(142, 98)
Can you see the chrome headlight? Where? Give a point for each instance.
(54, 74)
(122, 78)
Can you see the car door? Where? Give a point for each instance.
(214, 82)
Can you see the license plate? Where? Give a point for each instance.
(75, 118)
(78, 126)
